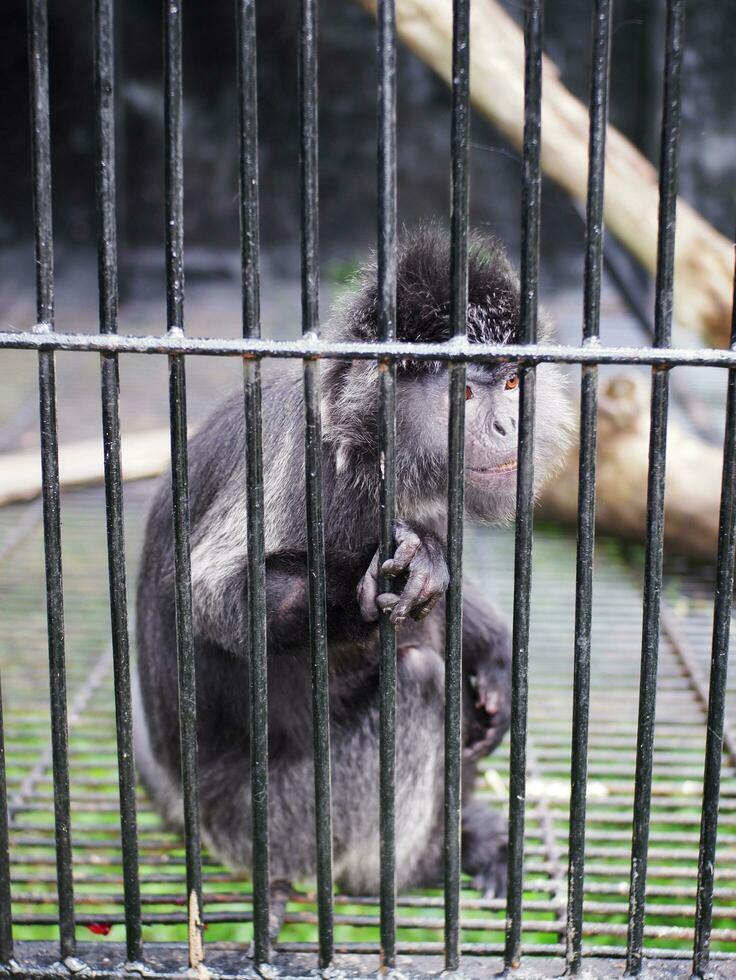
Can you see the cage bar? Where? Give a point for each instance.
(309, 174)
(110, 381)
(459, 200)
(256, 565)
(41, 175)
(656, 483)
(6, 916)
(386, 254)
(586, 483)
(174, 208)
(530, 199)
(606, 845)
(450, 353)
(718, 677)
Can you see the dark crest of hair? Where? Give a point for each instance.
(423, 291)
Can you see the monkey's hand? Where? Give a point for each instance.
(419, 565)
(490, 715)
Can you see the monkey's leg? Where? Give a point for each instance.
(280, 893)
(485, 849)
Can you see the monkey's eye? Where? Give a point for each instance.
(468, 393)
(512, 382)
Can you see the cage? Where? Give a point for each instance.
(613, 835)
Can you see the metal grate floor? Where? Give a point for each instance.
(678, 762)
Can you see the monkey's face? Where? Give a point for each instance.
(492, 396)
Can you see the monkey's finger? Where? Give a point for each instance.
(387, 601)
(414, 592)
(392, 604)
(402, 557)
(367, 591)
(424, 609)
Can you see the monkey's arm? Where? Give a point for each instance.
(222, 617)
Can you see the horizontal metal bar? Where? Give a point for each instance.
(453, 351)
(35, 958)
(431, 923)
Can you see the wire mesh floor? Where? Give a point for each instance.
(617, 623)
(682, 693)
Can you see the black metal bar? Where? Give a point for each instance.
(256, 579)
(459, 200)
(174, 196)
(530, 201)
(309, 173)
(6, 911)
(41, 170)
(586, 483)
(451, 353)
(108, 288)
(656, 484)
(718, 678)
(387, 469)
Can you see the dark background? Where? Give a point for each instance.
(347, 124)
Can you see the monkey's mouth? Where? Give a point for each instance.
(498, 471)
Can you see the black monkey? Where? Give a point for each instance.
(350, 468)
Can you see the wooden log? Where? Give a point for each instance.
(693, 477)
(144, 454)
(703, 257)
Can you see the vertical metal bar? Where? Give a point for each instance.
(387, 468)
(174, 204)
(6, 910)
(530, 198)
(586, 482)
(656, 484)
(108, 287)
(718, 678)
(41, 168)
(460, 161)
(256, 584)
(309, 174)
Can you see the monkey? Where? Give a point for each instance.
(355, 603)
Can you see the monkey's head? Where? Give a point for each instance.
(422, 398)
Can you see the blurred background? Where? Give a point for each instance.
(347, 128)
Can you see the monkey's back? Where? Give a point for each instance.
(216, 457)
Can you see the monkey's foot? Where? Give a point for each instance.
(280, 893)
(485, 849)
(490, 719)
(420, 560)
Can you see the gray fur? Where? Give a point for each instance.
(350, 468)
